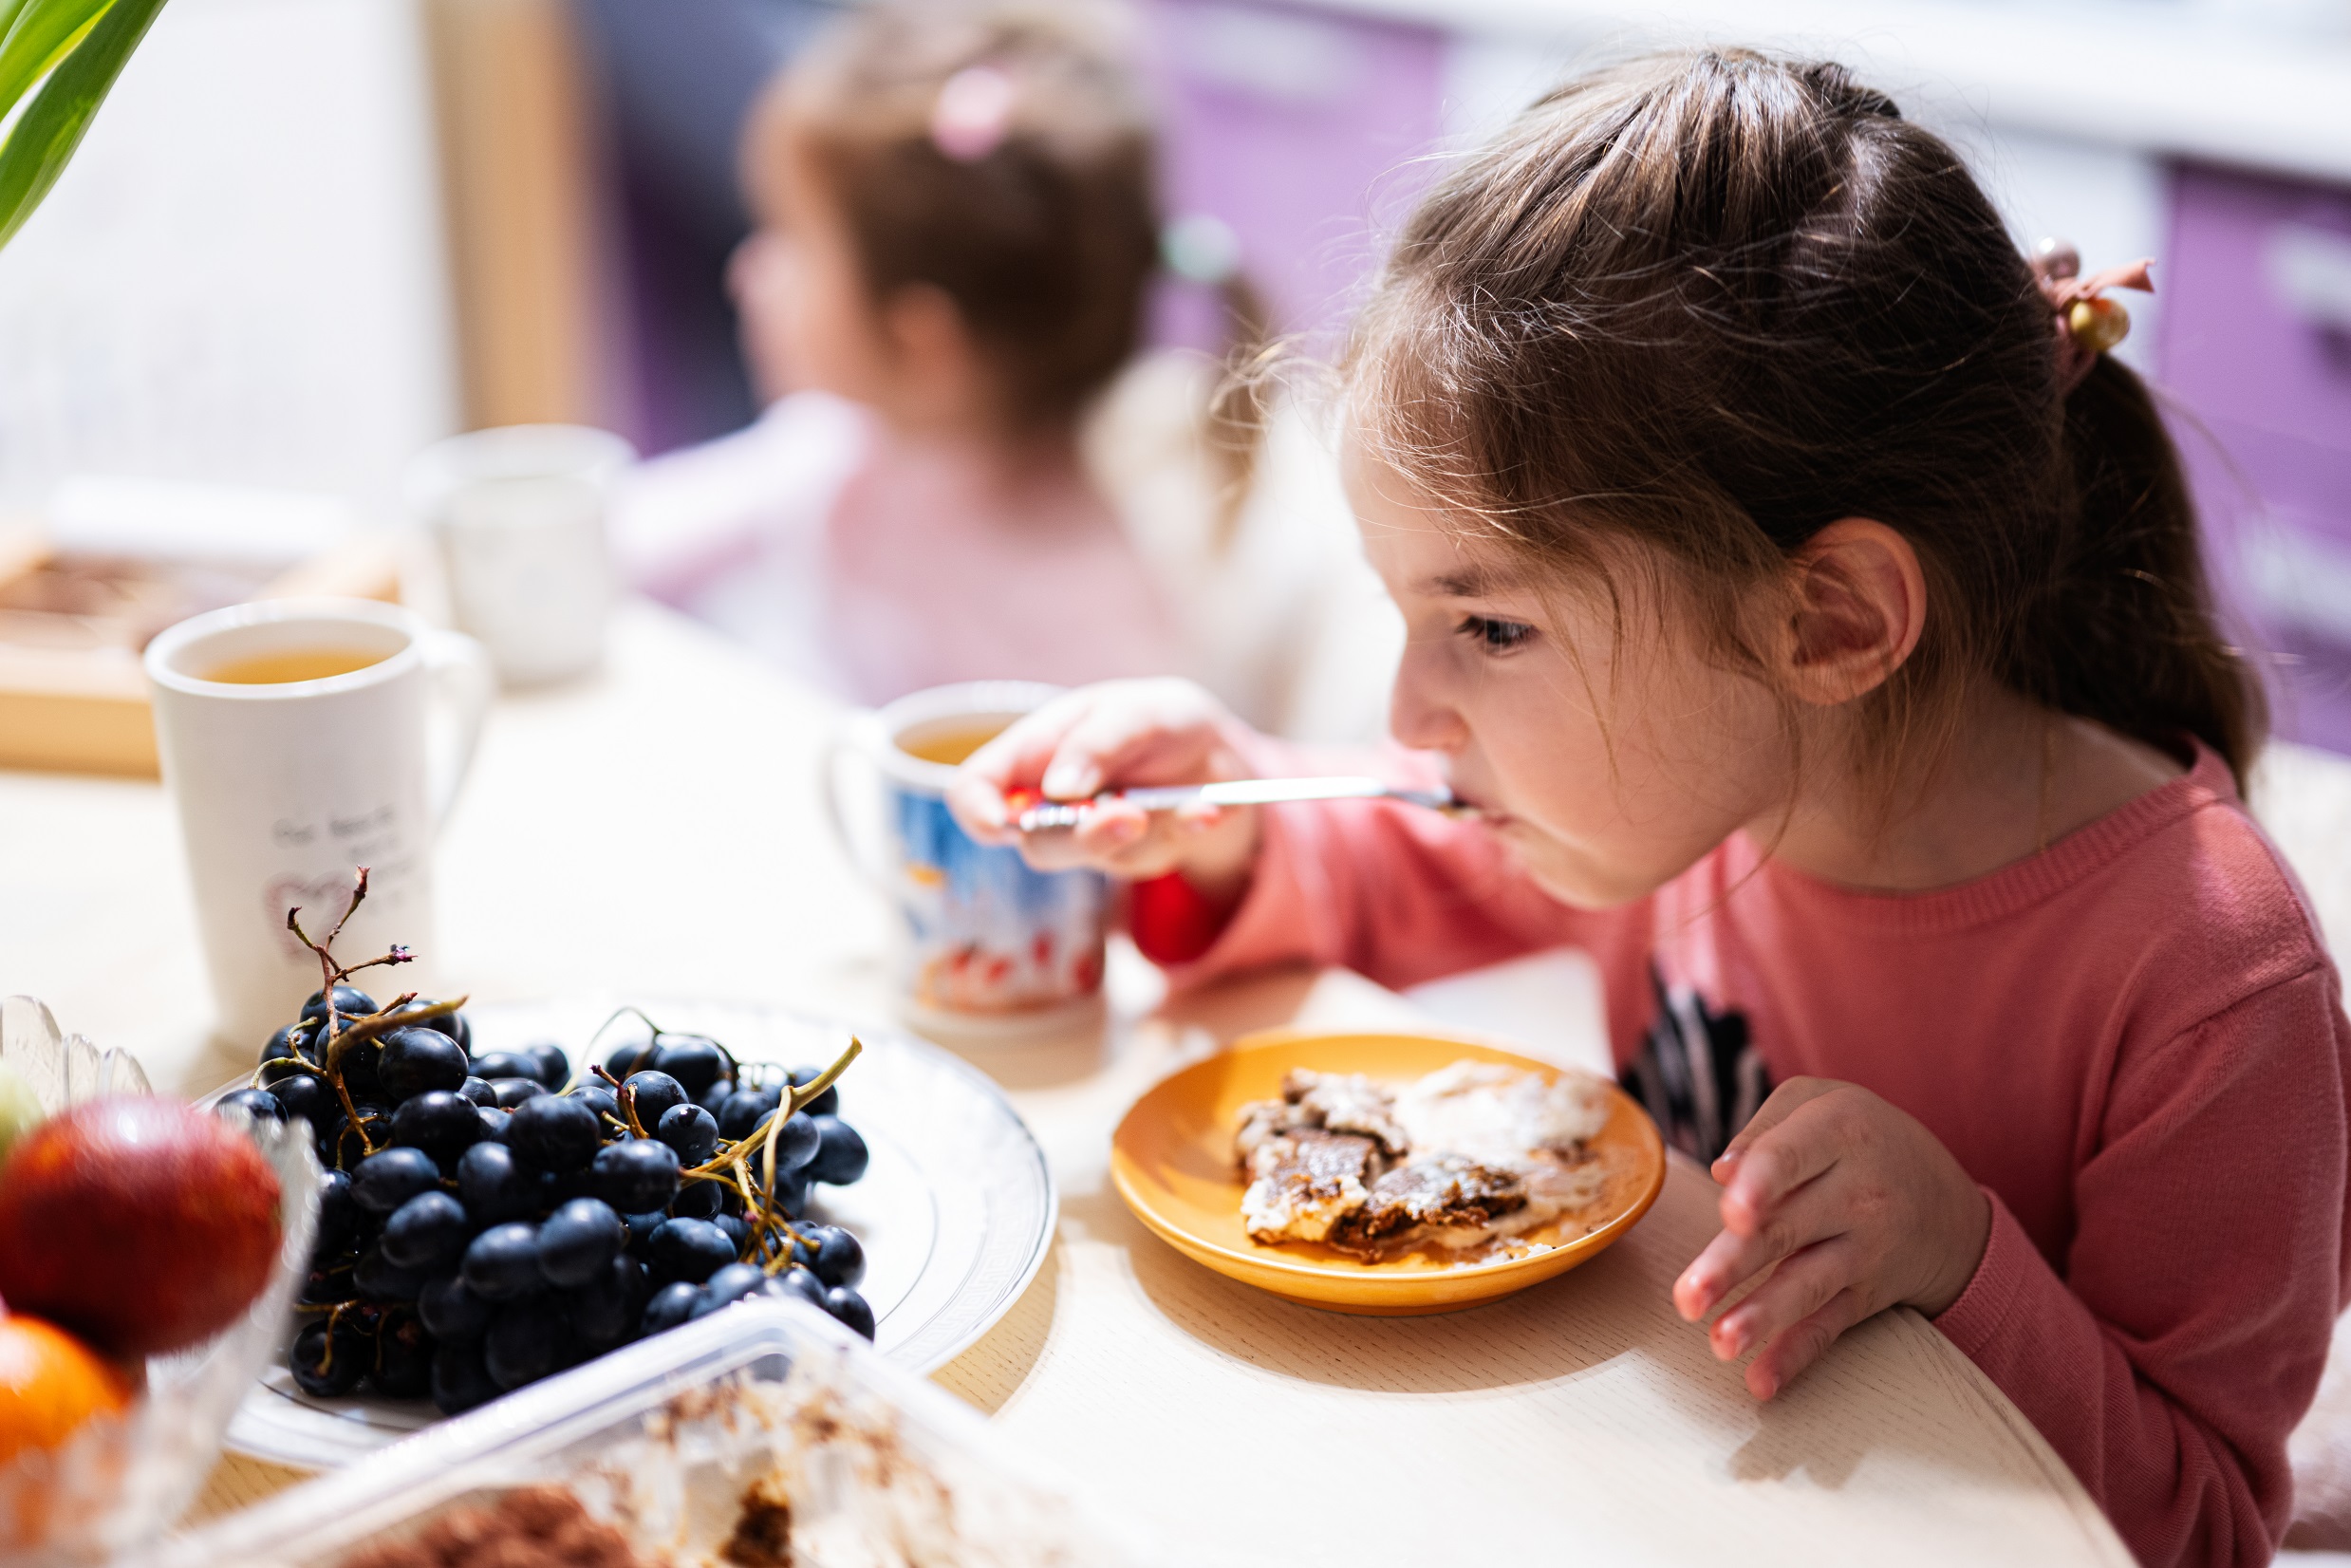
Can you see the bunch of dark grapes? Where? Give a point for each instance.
(485, 1221)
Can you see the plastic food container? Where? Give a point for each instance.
(681, 1441)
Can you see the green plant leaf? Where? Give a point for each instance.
(39, 34)
(43, 137)
(10, 12)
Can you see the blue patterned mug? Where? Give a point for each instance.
(988, 938)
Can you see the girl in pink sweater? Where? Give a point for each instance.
(957, 241)
(1814, 613)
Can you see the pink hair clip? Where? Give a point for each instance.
(2087, 323)
(973, 113)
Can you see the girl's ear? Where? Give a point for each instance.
(939, 377)
(1860, 603)
(926, 331)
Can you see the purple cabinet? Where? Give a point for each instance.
(2256, 351)
(1301, 131)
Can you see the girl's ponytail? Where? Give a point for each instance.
(1238, 408)
(1204, 252)
(2126, 631)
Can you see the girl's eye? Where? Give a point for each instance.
(1495, 636)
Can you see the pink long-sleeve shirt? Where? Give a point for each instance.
(874, 564)
(2134, 1040)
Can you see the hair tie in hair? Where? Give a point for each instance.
(973, 113)
(1201, 248)
(2087, 323)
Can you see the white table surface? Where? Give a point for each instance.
(655, 832)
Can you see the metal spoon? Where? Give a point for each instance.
(1240, 792)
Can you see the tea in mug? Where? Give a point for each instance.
(291, 664)
(951, 741)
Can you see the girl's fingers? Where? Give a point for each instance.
(1082, 743)
(1780, 1164)
(1017, 757)
(1801, 1285)
(1783, 1103)
(978, 806)
(1075, 745)
(1733, 1257)
(1056, 851)
(1797, 1347)
(1106, 838)
(1086, 751)
(1121, 840)
(1137, 743)
(1154, 855)
(1110, 830)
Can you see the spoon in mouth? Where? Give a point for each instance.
(1038, 815)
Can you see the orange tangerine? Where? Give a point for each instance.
(51, 1385)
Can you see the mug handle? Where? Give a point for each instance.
(847, 745)
(462, 678)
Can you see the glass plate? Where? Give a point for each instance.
(955, 1210)
(116, 1485)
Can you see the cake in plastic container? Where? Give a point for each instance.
(760, 1436)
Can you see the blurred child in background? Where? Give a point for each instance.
(958, 238)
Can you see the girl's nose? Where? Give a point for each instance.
(1419, 716)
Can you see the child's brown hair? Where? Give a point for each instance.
(1042, 228)
(1714, 302)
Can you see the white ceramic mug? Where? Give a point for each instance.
(992, 946)
(286, 785)
(519, 515)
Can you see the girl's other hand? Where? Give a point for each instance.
(1858, 1205)
(1117, 735)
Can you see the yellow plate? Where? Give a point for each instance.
(1172, 1161)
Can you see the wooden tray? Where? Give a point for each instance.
(72, 694)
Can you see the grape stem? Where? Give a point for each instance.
(801, 1094)
(303, 1062)
(341, 1035)
(359, 896)
(361, 1028)
(754, 1203)
(617, 1015)
(759, 1199)
(328, 980)
(333, 974)
(399, 1012)
(334, 1320)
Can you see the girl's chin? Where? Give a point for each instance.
(1565, 873)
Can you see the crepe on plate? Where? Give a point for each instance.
(1462, 1159)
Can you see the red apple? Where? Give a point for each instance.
(142, 1224)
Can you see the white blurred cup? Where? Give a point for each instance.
(299, 741)
(519, 516)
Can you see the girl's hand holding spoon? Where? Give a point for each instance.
(1119, 734)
